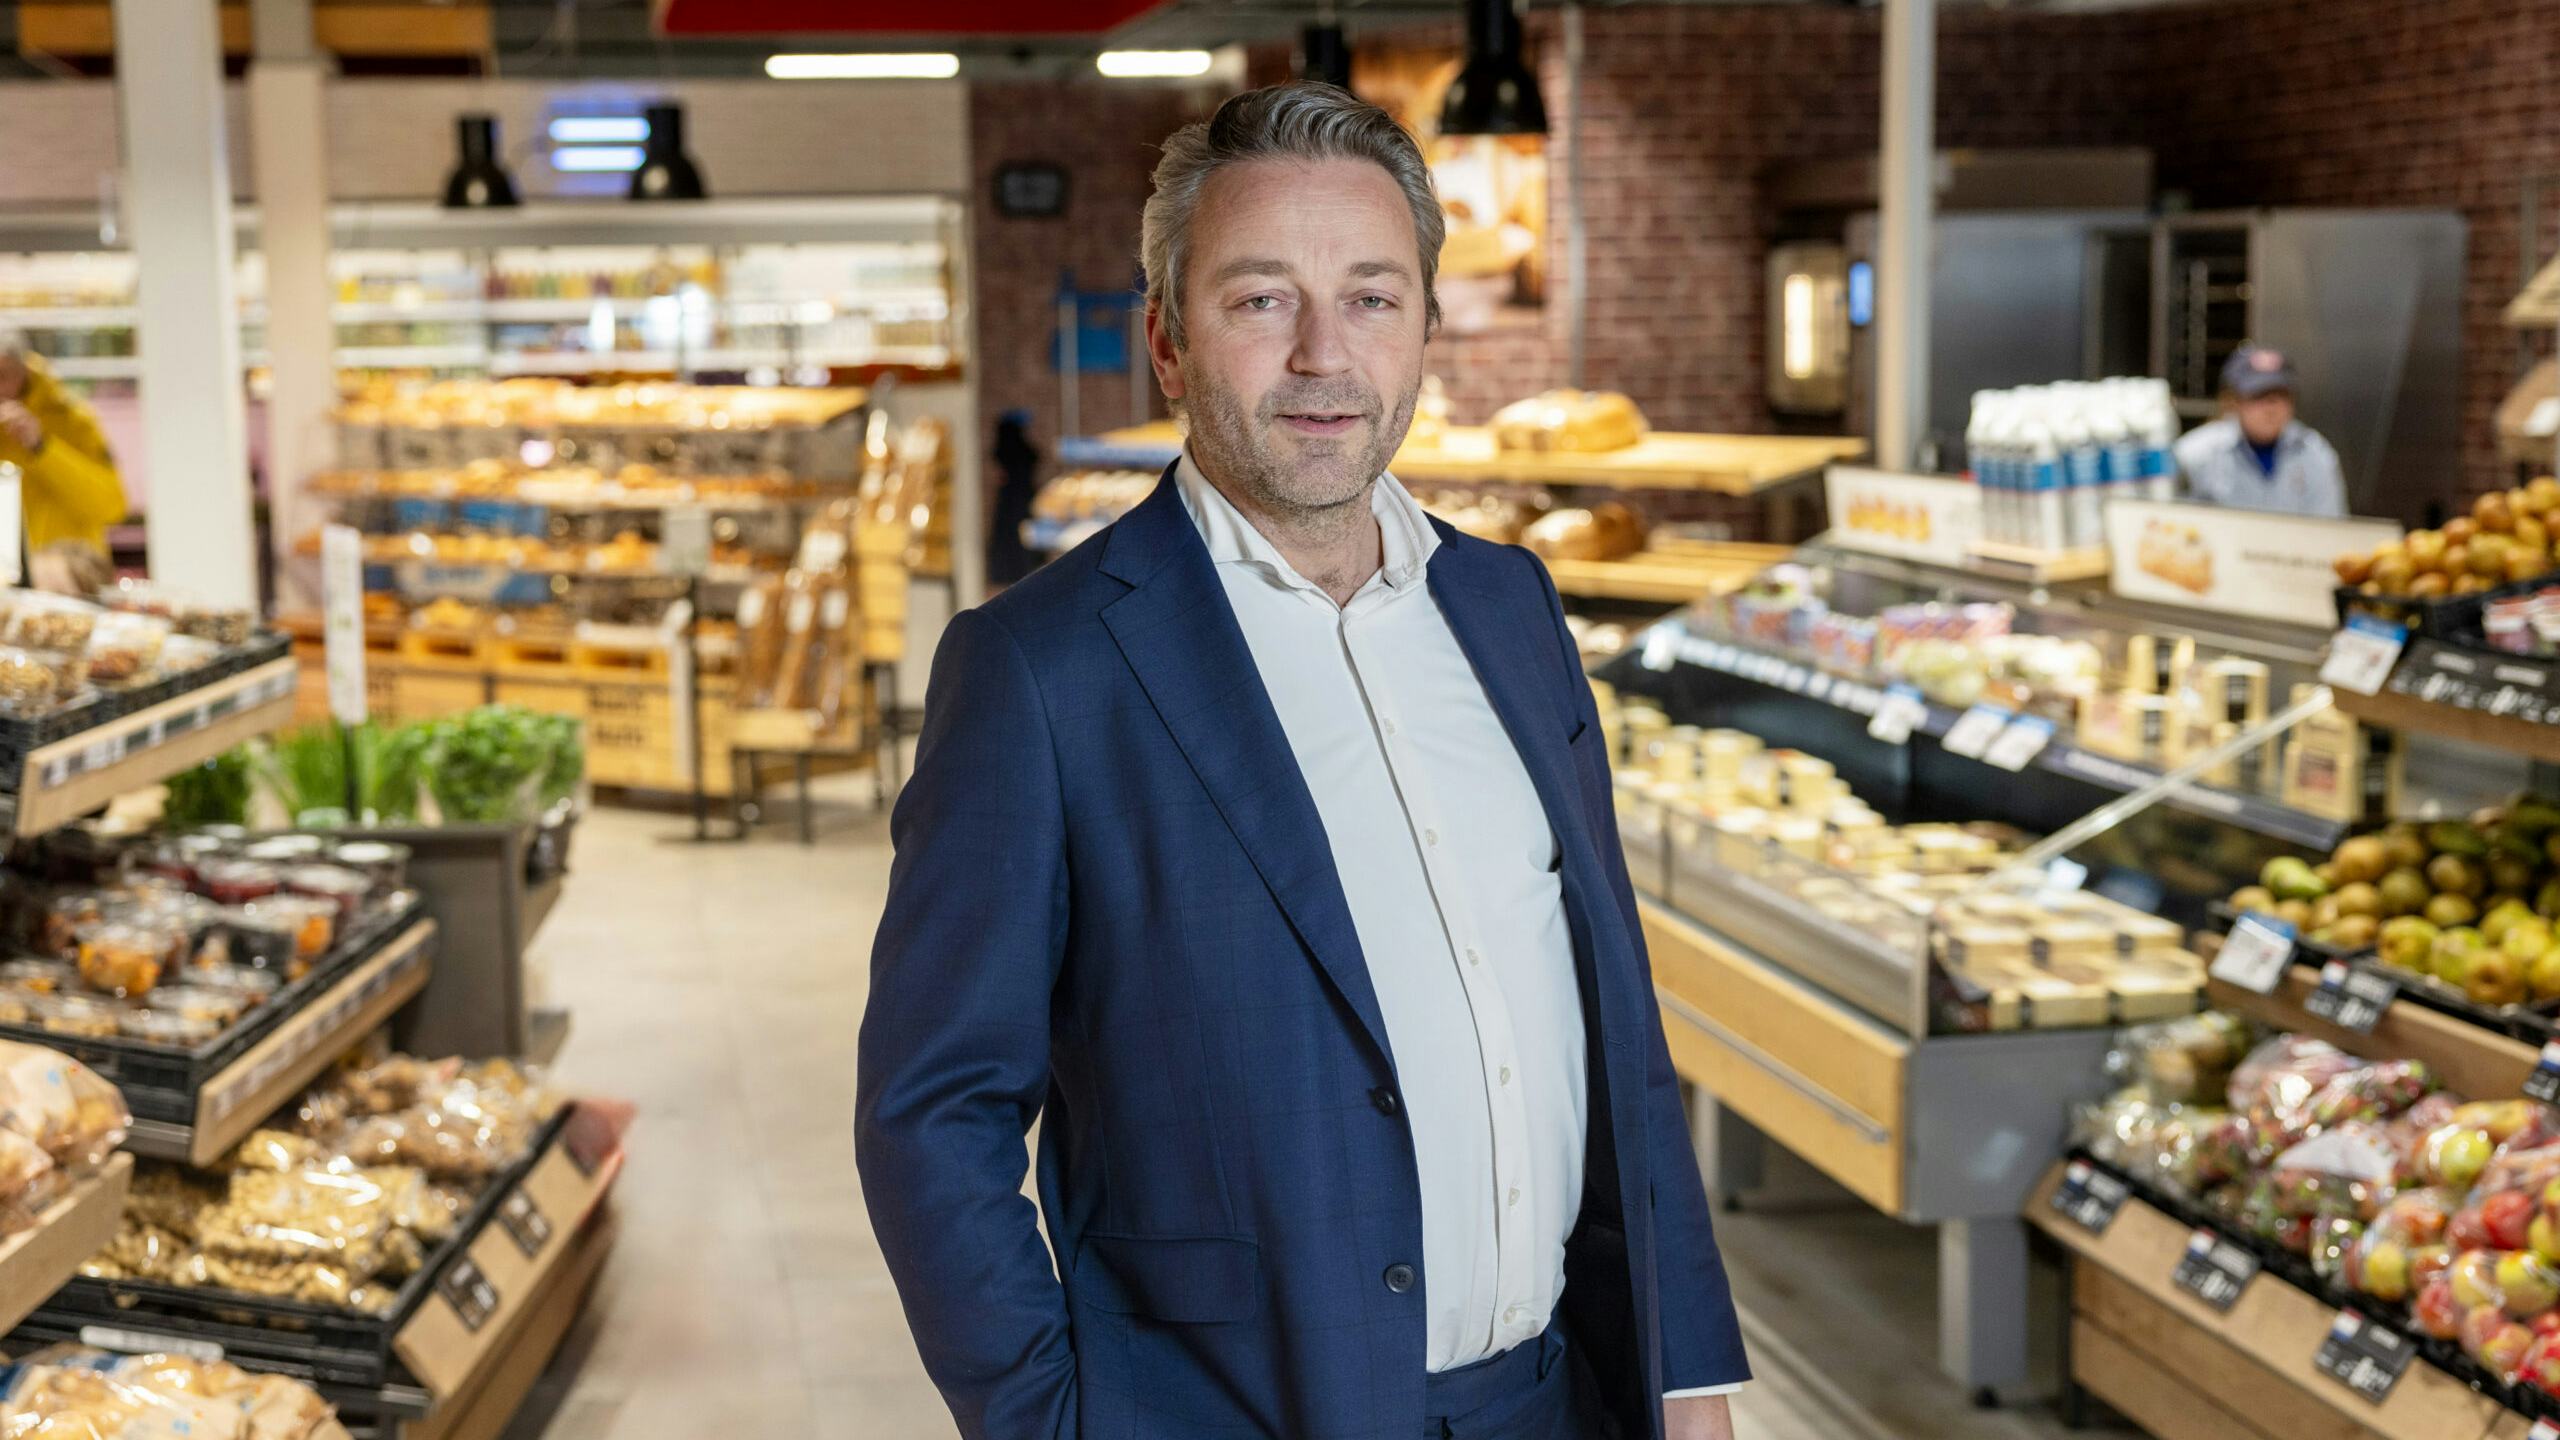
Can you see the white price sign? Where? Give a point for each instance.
(2019, 744)
(2255, 953)
(1901, 713)
(342, 620)
(1975, 729)
(2361, 656)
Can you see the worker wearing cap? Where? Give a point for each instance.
(2258, 456)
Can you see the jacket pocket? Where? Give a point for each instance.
(1186, 1279)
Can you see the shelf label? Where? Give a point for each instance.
(2090, 1196)
(1975, 729)
(2544, 1430)
(342, 620)
(2544, 1083)
(1903, 711)
(2255, 953)
(2214, 1270)
(2020, 743)
(2351, 999)
(2365, 1357)
(2361, 655)
(469, 1292)
(143, 1342)
(524, 1221)
(1661, 648)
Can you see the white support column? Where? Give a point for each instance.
(288, 125)
(1908, 171)
(177, 200)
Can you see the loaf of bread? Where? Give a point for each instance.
(1606, 531)
(1580, 421)
(1487, 517)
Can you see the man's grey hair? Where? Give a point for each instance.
(1301, 121)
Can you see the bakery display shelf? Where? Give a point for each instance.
(1662, 460)
(56, 770)
(372, 485)
(1668, 572)
(341, 1350)
(276, 1066)
(37, 1261)
(1670, 643)
(2275, 1327)
(162, 1082)
(503, 363)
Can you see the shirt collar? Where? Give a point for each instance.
(1406, 539)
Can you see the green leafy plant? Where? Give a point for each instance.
(213, 793)
(308, 772)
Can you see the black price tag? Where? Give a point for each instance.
(2544, 1083)
(2351, 999)
(2214, 1270)
(470, 1294)
(525, 1221)
(2090, 1196)
(2365, 1357)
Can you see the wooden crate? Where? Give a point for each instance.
(544, 655)
(620, 664)
(426, 694)
(551, 697)
(449, 651)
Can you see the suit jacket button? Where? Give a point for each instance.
(1384, 1099)
(1399, 1278)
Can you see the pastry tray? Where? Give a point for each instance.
(161, 1082)
(319, 1344)
(21, 738)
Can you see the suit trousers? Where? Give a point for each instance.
(1538, 1390)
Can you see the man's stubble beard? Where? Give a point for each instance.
(1233, 448)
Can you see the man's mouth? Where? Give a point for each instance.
(1320, 422)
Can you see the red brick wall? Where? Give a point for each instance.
(1105, 137)
(2434, 103)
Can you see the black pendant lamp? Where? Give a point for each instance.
(1326, 56)
(666, 172)
(477, 181)
(1495, 93)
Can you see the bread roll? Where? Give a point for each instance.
(1607, 531)
(1576, 421)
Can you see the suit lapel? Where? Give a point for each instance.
(1181, 639)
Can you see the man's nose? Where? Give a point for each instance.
(1320, 349)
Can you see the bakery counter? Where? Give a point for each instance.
(1949, 1131)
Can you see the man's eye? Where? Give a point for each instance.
(1376, 302)
(1262, 302)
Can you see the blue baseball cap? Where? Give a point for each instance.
(2255, 370)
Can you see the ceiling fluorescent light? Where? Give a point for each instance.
(1152, 64)
(598, 158)
(599, 130)
(917, 66)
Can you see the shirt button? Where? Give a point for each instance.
(1384, 1099)
(1515, 1194)
(1511, 1316)
(1387, 723)
(1474, 956)
(1430, 837)
(1506, 1075)
(1399, 1278)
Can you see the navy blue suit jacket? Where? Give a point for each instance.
(1113, 908)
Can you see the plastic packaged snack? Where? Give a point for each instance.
(77, 1016)
(203, 1004)
(2185, 1061)
(346, 889)
(237, 882)
(251, 983)
(385, 864)
(125, 958)
(29, 685)
(25, 1170)
(283, 850)
(37, 620)
(71, 1393)
(60, 1104)
(39, 977)
(124, 648)
(314, 922)
(168, 1028)
(261, 940)
(178, 857)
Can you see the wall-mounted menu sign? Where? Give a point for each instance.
(1910, 517)
(2240, 562)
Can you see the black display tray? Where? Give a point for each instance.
(2295, 1270)
(316, 1343)
(21, 738)
(2535, 1023)
(2453, 619)
(161, 1083)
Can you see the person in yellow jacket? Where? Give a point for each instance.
(69, 483)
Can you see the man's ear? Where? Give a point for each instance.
(1163, 354)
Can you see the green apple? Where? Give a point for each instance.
(2386, 1272)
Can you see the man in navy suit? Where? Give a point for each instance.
(1262, 850)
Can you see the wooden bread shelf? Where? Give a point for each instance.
(2186, 1371)
(36, 1261)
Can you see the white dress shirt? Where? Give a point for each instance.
(1452, 875)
